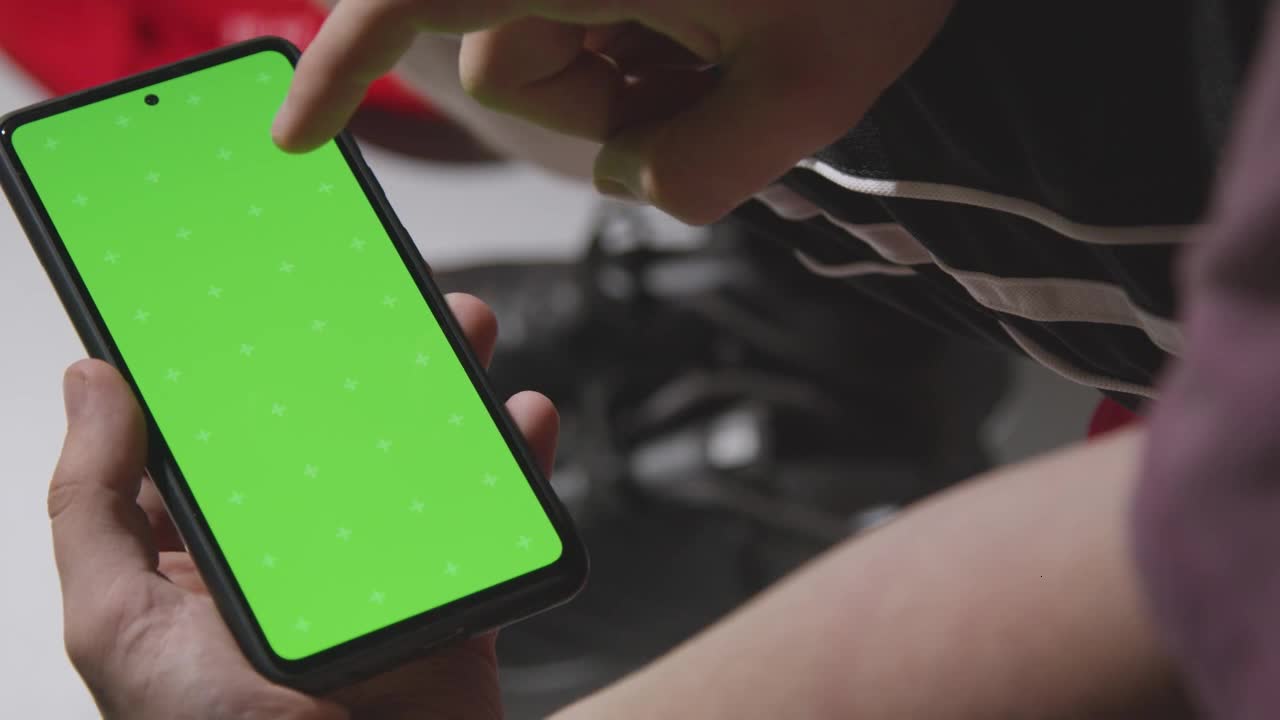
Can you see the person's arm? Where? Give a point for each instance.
(1011, 596)
(1207, 517)
(789, 78)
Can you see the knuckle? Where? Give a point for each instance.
(490, 69)
(479, 78)
(62, 494)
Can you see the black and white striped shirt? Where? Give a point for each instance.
(1029, 180)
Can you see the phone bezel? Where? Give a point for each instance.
(496, 606)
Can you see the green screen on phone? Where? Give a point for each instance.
(345, 462)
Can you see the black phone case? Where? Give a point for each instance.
(378, 651)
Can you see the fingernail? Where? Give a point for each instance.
(280, 124)
(278, 127)
(615, 189)
(75, 393)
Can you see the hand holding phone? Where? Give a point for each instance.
(140, 625)
(323, 437)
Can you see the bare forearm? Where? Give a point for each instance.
(1012, 596)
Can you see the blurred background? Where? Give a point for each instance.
(726, 415)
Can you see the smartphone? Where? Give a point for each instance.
(348, 484)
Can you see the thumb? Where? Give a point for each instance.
(100, 535)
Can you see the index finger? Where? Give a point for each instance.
(362, 39)
(359, 42)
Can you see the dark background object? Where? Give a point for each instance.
(726, 416)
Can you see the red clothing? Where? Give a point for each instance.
(69, 45)
(1110, 415)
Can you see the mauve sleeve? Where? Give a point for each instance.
(1207, 511)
